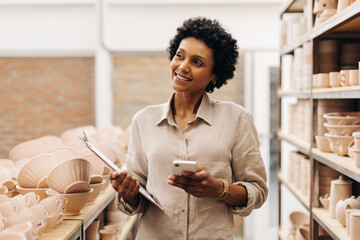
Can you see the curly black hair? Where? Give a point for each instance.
(224, 46)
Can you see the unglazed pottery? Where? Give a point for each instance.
(334, 79)
(355, 226)
(76, 201)
(347, 215)
(97, 190)
(299, 219)
(342, 130)
(38, 191)
(342, 205)
(339, 144)
(78, 187)
(344, 78)
(343, 118)
(340, 189)
(356, 136)
(36, 169)
(354, 77)
(92, 230)
(68, 173)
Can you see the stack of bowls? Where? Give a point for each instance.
(72, 179)
(33, 175)
(341, 125)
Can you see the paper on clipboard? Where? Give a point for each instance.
(109, 163)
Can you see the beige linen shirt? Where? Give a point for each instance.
(223, 139)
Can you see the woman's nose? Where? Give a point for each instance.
(184, 66)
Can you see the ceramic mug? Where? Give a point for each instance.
(334, 79)
(32, 199)
(52, 205)
(344, 78)
(20, 202)
(323, 80)
(354, 77)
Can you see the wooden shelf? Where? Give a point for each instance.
(304, 94)
(336, 93)
(303, 146)
(67, 229)
(345, 165)
(292, 6)
(331, 226)
(297, 193)
(346, 21)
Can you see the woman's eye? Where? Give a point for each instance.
(198, 63)
(178, 55)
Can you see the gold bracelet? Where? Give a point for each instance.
(223, 195)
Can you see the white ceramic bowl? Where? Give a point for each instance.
(68, 173)
(36, 169)
(339, 144)
(343, 118)
(342, 130)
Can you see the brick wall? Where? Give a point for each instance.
(41, 96)
(142, 80)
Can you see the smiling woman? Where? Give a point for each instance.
(219, 136)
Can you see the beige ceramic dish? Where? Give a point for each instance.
(36, 169)
(97, 190)
(76, 201)
(68, 173)
(342, 130)
(323, 143)
(343, 118)
(339, 144)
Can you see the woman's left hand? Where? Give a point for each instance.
(200, 184)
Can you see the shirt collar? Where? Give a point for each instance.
(204, 111)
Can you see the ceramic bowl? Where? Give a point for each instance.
(323, 143)
(339, 144)
(27, 149)
(342, 118)
(77, 187)
(299, 219)
(97, 190)
(50, 141)
(342, 130)
(76, 201)
(35, 169)
(69, 172)
(41, 192)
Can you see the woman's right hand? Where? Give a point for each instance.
(126, 186)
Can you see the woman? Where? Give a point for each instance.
(220, 136)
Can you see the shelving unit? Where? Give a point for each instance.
(73, 227)
(342, 26)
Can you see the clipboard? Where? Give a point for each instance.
(110, 164)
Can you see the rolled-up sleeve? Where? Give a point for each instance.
(248, 166)
(136, 164)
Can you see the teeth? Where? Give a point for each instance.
(182, 78)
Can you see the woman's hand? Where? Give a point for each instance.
(126, 186)
(200, 184)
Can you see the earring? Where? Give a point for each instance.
(213, 81)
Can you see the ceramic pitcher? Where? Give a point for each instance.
(340, 189)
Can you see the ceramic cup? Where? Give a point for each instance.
(355, 226)
(323, 80)
(20, 202)
(52, 204)
(25, 229)
(344, 78)
(347, 215)
(12, 236)
(334, 79)
(354, 77)
(32, 199)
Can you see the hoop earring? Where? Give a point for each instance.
(213, 81)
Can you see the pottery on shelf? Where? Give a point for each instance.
(340, 189)
(339, 144)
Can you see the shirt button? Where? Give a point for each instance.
(183, 210)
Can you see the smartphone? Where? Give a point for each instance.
(181, 165)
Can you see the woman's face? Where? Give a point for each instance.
(191, 67)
